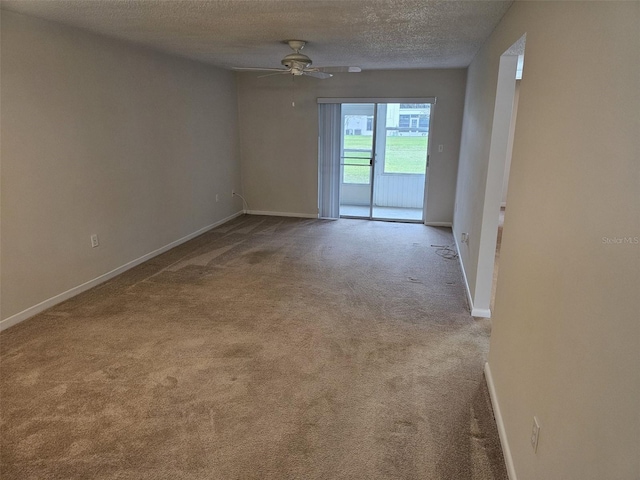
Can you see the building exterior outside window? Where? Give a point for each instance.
(404, 119)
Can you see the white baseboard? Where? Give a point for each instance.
(480, 312)
(44, 305)
(281, 214)
(438, 224)
(506, 451)
(475, 312)
(464, 274)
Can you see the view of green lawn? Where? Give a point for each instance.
(403, 155)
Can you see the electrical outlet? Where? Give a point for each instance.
(216, 197)
(464, 238)
(94, 241)
(535, 434)
(440, 148)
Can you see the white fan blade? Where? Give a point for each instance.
(317, 74)
(281, 72)
(339, 69)
(258, 69)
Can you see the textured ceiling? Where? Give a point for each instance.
(372, 34)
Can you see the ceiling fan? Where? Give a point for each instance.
(297, 63)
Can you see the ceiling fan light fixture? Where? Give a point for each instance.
(297, 64)
(296, 68)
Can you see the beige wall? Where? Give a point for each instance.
(566, 332)
(102, 137)
(280, 143)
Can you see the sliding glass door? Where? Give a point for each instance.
(383, 160)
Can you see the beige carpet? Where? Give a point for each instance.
(269, 348)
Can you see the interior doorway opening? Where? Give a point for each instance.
(505, 182)
(495, 208)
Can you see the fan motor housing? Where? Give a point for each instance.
(296, 58)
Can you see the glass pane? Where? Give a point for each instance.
(357, 174)
(405, 155)
(401, 155)
(357, 142)
(407, 133)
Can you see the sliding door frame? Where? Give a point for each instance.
(376, 101)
